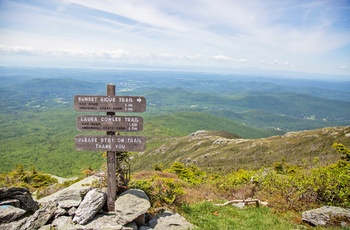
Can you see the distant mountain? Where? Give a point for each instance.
(37, 118)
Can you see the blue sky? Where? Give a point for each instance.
(233, 35)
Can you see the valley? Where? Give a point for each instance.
(37, 118)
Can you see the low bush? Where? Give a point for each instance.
(162, 191)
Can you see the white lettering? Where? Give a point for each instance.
(107, 139)
(134, 140)
(120, 140)
(131, 119)
(125, 99)
(87, 139)
(120, 146)
(103, 146)
(88, 118)
(111, 119)
(107, 99)
(88, 99)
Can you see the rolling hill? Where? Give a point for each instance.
(215, 151)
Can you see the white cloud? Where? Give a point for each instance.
(221, 58)
(224, 32)
(343, 67)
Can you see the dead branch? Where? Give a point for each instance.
(246, 202)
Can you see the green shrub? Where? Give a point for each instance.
(342, 150)
(192, 175)
(31, 179)
(324, 185)
(161, 191)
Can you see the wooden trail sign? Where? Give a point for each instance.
(110, 143)
(113, 144)
(109, 123)
(109, 103)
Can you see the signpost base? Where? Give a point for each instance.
(111, 181)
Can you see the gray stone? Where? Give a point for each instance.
(132, 225)
(239, 205)
(15, 225)
(130, 205)
(70, 198)
(169, 221)
(9, 213)
(63, 222)
(107, 221)
(13, 202)
(84, 186)
(145, 228)
(23, 195)
(92, 204)
(46, 227)
(59, 212)
(40, 217)
(327, 215)
(72, 211)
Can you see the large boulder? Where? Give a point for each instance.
(92, 204)
(327, 216)
(169, 221)
(131, 205)
(18, 197)
(83, 186)
(9, 213)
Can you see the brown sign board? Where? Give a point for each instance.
(109, 103)
(109, 123)
(110, 143)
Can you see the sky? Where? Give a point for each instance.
(229, 35)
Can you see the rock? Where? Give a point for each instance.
(70, 198)
(145, 228)
(23, 195)
(239, 205)
(72, 211)
(59, 212)
(15, 225)
(84, 186)
(327, 216)
(92, 204)
(40, 217)
(63, 222)
(169, 221)
(107, 221)
(9, 213)
(13, 202)
(130, 205)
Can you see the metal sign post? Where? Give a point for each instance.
(113, 144)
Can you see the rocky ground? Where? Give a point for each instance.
(81, 207)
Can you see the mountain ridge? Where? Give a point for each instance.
(214, 152)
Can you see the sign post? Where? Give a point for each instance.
(113, 144)
(111, 166)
